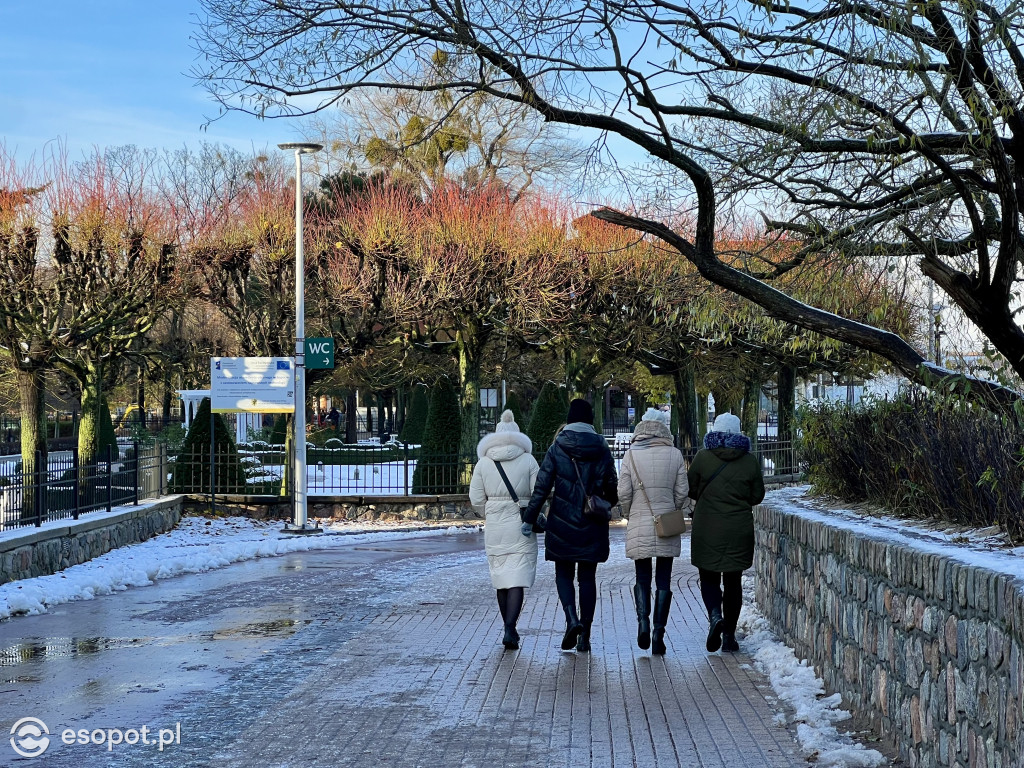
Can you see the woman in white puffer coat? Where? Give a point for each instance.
(511, 556)
(653, 460)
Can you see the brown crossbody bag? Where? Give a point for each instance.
(667, 524)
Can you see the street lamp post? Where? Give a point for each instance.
(301, 524)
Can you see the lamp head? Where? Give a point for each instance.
(303, 147)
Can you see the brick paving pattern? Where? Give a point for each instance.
(406, 670)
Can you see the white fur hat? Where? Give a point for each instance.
(726, 422)
(507, 423)
(653, 414)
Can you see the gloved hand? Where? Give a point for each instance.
(527, 529)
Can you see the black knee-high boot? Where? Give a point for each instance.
(662, 603)
(642, 598)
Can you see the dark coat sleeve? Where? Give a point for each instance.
(693, 477)
(608, 489)
(756, 486)
(545, 480)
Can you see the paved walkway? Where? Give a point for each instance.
(381, 656)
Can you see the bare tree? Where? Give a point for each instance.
(918, 106)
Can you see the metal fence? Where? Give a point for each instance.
(371, 469)
(60, 487)
(66, 489)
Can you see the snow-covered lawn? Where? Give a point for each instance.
(194, 546)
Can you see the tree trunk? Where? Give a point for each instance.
(369, 413)
(32, 391)
(382, 421)
(723, 403)
(702, 416)
(165, 405)
(684, 401)
(89, 426)
(598, 394)
(787, 411)
(399, 409)
(140, 396)
(469, 387)
(751, 406)
(351, 422)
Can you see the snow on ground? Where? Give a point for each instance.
(194, 546)
(795, 683)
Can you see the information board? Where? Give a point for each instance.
(252, 385)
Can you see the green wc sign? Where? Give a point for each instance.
(319, 354)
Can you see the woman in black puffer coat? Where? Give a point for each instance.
(575, 542)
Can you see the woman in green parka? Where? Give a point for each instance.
(725, 479)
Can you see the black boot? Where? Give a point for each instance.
(573, 628)
(583, 644)
(511, 638)
(729, 643)
(714, 631)
(642, 598)
(662, 602)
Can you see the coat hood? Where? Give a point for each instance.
(728, 446)
(504, 446)
(651, 428)
(584, 445)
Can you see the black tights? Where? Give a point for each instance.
(728, 600)
(510, 603)
(586, 574)
(662, 573)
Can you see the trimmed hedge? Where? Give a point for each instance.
(416, 418)
(438, 467)
(190, 472)
(922, 455)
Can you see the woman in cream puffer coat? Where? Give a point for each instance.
(512, 557)
(653, 461)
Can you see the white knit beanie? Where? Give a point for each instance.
(726, 422)
(653, 414)
(507, 423)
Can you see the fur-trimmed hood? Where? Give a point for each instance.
(504, 446)
(727, 445)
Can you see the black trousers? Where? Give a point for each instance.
(662, 572)
(586, 575)
(724, 592)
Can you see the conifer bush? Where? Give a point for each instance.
(512, 404)
(549, 414)
(416, 418)
(191, 470)
(438, 465)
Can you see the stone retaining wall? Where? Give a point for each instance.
(28, 552)
(362, 508)
(927, 647)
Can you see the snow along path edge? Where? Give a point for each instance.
(196, 545)
(795, 682)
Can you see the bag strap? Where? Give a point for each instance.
(579, 477)
(504, 479)
(712, 479)
(639, 480)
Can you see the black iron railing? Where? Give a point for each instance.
(58, 486)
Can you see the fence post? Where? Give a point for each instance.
(76, 483)
(405, 450)
(161, 453)
(136, 447)
(110, 480)
(213, 462)
(40, 494)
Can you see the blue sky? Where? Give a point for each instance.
(110, 72)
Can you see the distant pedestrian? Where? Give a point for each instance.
(511, 557)
(652, 482)
(725, 479)
(334, 417)
(577, 466)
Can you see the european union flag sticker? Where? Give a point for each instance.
(283, 365)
